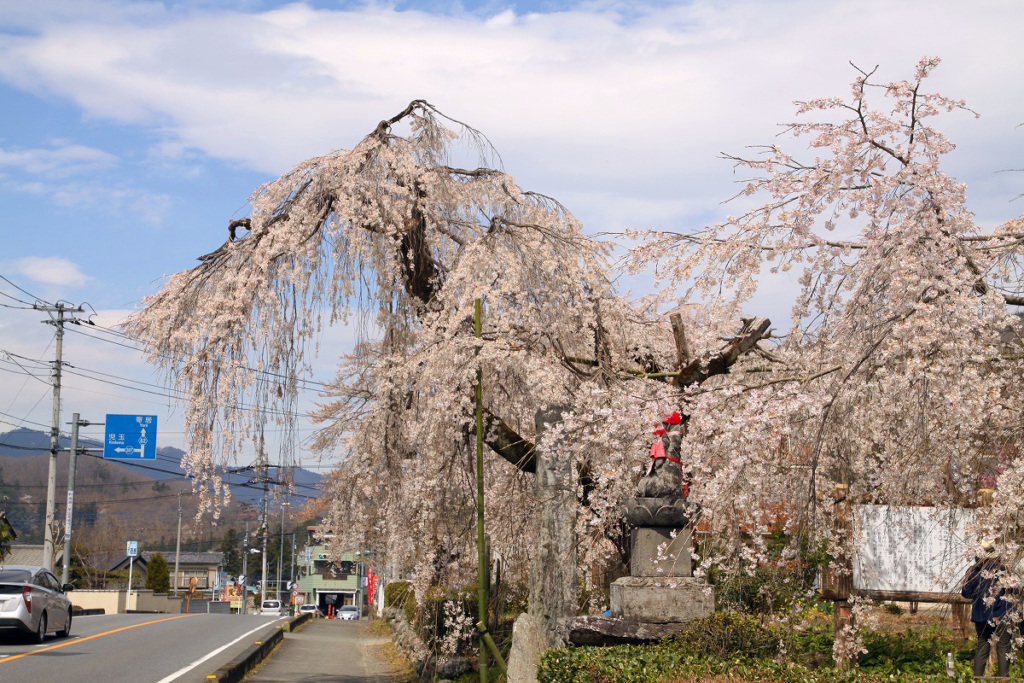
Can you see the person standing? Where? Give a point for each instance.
(988, 609)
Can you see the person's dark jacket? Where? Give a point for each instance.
(978, 587)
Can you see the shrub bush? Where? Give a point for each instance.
(724, 634)
(401, 594)
(663, 663)
(430, 619)
(734, 648)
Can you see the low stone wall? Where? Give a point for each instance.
(148, 601)
(116, 601)
(110, 601)
(429, 667)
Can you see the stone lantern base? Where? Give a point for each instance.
(661, 599)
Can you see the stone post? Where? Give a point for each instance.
(553, 594)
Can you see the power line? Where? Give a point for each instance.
(24, 371)
(15, 372)
(25, 419)
(25, 383)
(121, 335)
(240, 406)
(159, 456)
(26, 448)
(27, 293)
(156, 469)
(14, 298)
(110, 501)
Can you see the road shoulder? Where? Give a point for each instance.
(327, 649)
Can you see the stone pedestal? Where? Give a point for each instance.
(657, 553)
(661, 599)
(661, 588)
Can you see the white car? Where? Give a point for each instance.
(309, 609)
(32, 603)
(348, 612)
(271, 608)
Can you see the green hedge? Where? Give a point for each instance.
(401, 594)
(737, 647)
(660, 664)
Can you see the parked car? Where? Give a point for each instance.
(32, 603)
(271, 608)
(348, 612)
(310, 609)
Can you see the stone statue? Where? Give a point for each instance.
(662, 492)
(661, 588)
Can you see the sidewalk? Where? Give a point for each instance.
(325, 651)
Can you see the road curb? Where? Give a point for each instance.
(81, 612)
(235, 670)
(298, 622)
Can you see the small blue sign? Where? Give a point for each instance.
(130, 437)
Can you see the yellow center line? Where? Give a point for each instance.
(96, 635)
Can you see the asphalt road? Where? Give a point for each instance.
(135, 648)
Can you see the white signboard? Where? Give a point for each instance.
(70, 506)
(133, 548)
(919, 549)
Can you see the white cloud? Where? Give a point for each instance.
(62, 160)
(51, 270)
(626, 99)
(99, 197)
(618, 108)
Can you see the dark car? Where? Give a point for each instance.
(32, 603)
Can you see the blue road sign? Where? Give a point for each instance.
(130, 437)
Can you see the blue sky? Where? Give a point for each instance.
(131, 132)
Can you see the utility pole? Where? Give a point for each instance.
(51, 481)
(266, 529)
(280, 554)
(291, 578)
(245, 570)
(177, 547)
(72, 461)
(262, 477)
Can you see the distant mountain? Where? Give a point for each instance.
(26, 443)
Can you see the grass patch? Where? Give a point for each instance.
(399, 665)
(493, 676)
(379, 627)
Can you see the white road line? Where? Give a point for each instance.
(216, 652)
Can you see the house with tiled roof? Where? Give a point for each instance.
(25, 554)
(205, 567)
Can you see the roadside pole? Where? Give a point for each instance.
(245, 571)
(291, 578)
(72, 461)
(128, 602)
(177, 547)
(51, 480)
(280, 553)
(265, 528)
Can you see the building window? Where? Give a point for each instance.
(202, 578)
